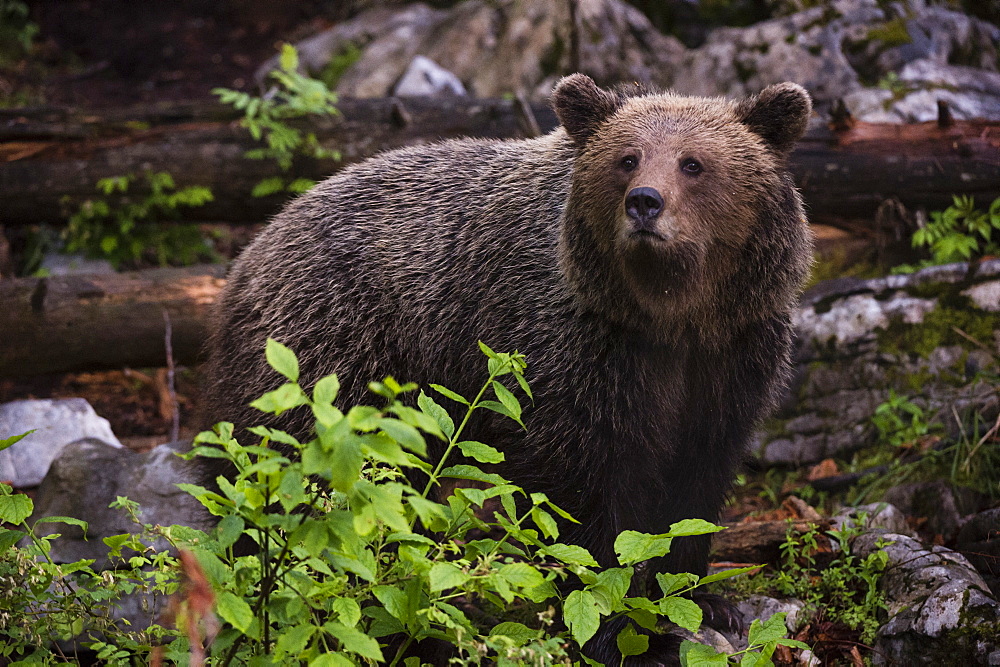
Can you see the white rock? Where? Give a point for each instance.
(57, 423)
(424, 77)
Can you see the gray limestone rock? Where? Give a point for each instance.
(89, 474)
(940, 608)
(424, 77)
(57, 423)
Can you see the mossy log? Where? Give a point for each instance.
(50, 154)
(73, 323)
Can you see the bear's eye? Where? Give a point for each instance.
(629, 162)
(691, 166)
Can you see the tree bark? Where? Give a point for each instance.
(74, 323)
(48, 154)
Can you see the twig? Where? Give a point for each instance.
(175, 420)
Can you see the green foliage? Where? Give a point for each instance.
(900, 421)
(128, 227)
(17, 33)
(267, 117)
(959, 233)
(345, 572)
(819, 569)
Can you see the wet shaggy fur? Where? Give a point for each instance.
(652, 353)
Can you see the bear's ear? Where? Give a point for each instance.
(779, 115)
(581, 106)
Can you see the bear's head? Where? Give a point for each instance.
(674, 197)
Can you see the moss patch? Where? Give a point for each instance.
(893, 33)
(939, 329)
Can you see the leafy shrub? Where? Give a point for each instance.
(900, 421)
(294, 96)
(961, 232)
(128, 227)
(344, 571)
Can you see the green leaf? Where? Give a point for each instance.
(694, 654)
(631, 642)
(15, 508)
(728, 574)
(268, 186)
(693, 527)
(634, 547)
(355, 641)
(65, 519)
(581, 615)
(282, 359)
(439, 414)
(545, 523)
(480, 452)
(444, 576)
(472, 472)
(293, 640)
(611, 587)
(519, 633)
(289, 62)
(404, 434)
(235, 611)
(751, 659)
(348, 611)
(9, 538)
(285, 397)
(448, 393)
(682, 611)
(508, 399)
(671, 583)
(770, 630)
(570, 554)
(326, 390)
(7, 442)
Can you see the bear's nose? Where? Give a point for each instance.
(643, 204)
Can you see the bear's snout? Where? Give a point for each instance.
(643, 205)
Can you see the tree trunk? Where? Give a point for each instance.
(48, 154)
(73, 323)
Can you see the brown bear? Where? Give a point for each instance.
(645, 257)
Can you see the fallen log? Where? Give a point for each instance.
(845, 174)
(755, 541)
(115, 320)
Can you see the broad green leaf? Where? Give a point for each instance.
(289, 61)
(235, 611)
(65, 519)
(448, 393)
(438, 413)
(611, 587)
(285, 397)
(570, 554)
(545, 523)
(581, 615)
(293, 640)
(671, 583)
(682, 611)
(228, 530)
(631, 642)
(752, 659)
(282, 359)
(405, 435)
(519, 633)
(472, 472)
(634, 547)
(348, 611)
(15, 508)
(480, 452)
(694, 654)
(355, 641)
(444, 576)
(326, 389)
(693, 527)
(267, 186)
(7, 442)
(768, 631)
(508, 399)
(521, 575)
(645, 618)
(9, 538)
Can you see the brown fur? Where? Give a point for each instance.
(651, 357)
